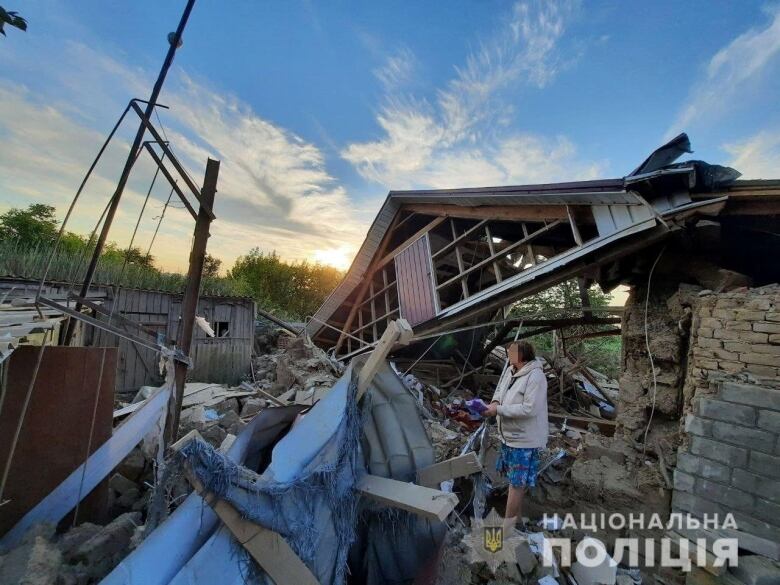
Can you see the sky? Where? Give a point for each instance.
(317, 109)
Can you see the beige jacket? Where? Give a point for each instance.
(522, 406)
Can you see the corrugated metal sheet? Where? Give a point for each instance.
(415, 287)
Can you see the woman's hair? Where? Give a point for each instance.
(525, 350)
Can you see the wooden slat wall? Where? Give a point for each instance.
(415, 287)
(225, 360)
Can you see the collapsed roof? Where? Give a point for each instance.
(440, 257)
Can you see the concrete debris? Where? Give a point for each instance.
(33, 563)
(604, 573)
(104, 550)
(81, 556)
(133, 466)
(603, 455)
(253, 406)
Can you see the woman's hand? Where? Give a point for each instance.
(490, 410)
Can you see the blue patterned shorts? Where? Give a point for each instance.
(518, 465)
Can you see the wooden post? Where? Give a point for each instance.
(397, 332)
(189, 304)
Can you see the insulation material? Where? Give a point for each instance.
(307, 492)
(174, 543)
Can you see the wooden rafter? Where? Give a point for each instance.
(492, 212)
(492, 250)
(459, 257)
(506, 250)
(385, 258)
(575, 231)
(364, 285)
(457, 239)
(592, 334)
(418, 234)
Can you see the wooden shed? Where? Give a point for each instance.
(224, 358)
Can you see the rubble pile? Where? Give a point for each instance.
(82, 555)
(292, 370)
(586, 468)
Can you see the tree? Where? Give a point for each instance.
(12, 19)
(294, 289)
(563, 301)
(211, 266)
(29, 227)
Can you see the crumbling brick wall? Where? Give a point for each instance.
(734, 335)
(668, 321)
(730, 458)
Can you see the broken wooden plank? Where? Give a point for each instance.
(607, 427)
(398, 331)
(460, 466)
(274, 319)
(420, 500)
(263, 393)
(286, 396)
(268, 548)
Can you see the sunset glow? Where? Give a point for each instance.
(337, 257)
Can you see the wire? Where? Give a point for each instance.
(649, 353)
(162, 216)
(23, 414)
(103, 356)
(91, 435)
(76, 198)
(430, 347)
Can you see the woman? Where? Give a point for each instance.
(520, 403)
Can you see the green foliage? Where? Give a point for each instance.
(133, 256)
(29, 227)
(211, 266)
(562, 301)
(293, 290)
(11, 18)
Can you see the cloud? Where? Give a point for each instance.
(757, 157)
(398, 70)
(464, 137)
(274, 189)
(730, 73)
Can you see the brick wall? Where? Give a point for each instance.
(730, 458)
(734, 336)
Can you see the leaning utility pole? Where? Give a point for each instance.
(189, 304)
(175, 42)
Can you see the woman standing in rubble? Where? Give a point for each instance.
(520, 403)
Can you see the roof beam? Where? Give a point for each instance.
(496, 212)
(367, 278)
(504, 251)
(418, 234)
